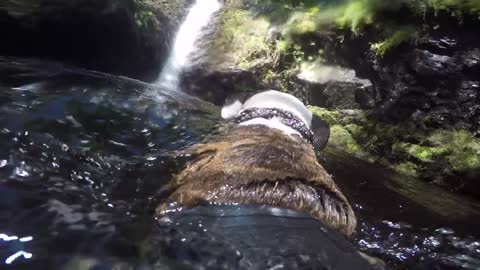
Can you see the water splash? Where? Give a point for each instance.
(185, 41)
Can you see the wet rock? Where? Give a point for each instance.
(450, 158)
(216, 85)
(432, 84)
(471, 62)
(425, 63)
(337, 87)
(442, 45)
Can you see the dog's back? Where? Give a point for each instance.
(257, 165)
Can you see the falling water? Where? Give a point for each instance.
(185, 41)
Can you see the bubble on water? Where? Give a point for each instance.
(21, 170)
(18, 254)
(444, 231)
(65, 147)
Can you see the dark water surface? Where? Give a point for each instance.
(83, 155)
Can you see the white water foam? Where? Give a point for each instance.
(198, 17)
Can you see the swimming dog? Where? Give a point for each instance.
(266, 156)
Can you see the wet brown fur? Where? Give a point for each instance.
(261, 166)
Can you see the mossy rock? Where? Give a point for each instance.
(423, 153)
(407, 168)
(331, 117)
(398, 37)
(240, 38)
(341, 138)
(405, 148)
(464, 148)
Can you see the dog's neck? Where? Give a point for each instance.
(270, 99)
(275, 99)
(275, 118)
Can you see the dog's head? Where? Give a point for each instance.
(266, 157)
(238, 103)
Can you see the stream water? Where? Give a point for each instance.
(84, 154)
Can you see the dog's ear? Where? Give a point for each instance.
(321, 132)
(234, 104)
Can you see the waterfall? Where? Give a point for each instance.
(198, 17)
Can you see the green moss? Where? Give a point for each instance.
(457, 148)
(242, 42)
(357, 131)
(397, 38)
(341, 138)
(241, 38)
(303, 22)
(463, 146)
(330, 116)
(407, 168)
(423, 153)
(145, 19)
(435, 155)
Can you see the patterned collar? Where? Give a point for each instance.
(285, 118)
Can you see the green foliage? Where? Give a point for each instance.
(302, 25)
(397, 38)
(305, 17)
(356, 14)
(303, 22)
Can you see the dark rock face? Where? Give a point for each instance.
(337, 88)
(119, 37)
(216, 85)
(433, 83)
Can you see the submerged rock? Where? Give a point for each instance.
(126, 37)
